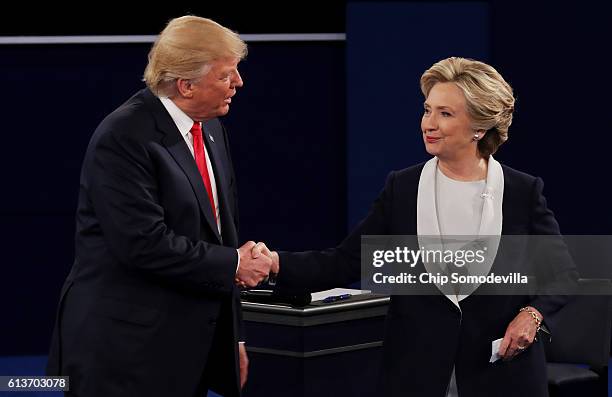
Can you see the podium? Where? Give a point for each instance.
(332, 349)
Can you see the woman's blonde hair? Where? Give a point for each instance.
(489, 98)
(184, 49)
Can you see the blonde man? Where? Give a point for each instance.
(150, 307)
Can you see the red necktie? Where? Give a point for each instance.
(200, 158)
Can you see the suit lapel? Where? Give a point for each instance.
(177, 148)
(183, 157)
(221, 179)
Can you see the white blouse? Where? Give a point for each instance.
(459, 207)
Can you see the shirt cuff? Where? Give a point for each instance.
(238, 264)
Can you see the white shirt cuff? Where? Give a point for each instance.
(238, 264)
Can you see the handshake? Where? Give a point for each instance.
(257, 264)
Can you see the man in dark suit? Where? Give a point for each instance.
(150, 307)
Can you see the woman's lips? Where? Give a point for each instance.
(432, 139)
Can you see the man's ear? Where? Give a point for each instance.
(184, 88)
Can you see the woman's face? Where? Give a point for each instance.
(446, 125)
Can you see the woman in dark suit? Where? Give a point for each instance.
(441, 344)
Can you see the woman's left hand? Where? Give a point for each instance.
(520, 334)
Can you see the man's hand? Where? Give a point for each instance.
(244, 364)
(520, 334)
(252, 270)
(261, 249)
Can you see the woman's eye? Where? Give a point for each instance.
(446, 114)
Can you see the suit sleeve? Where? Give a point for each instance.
(554, 264)
(235, 214)
(320, 270)
(121, 183)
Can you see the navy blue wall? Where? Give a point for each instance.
(555, 58)
(389, 46)
(288, 139)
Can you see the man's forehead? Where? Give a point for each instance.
(229, 62)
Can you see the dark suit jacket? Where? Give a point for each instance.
(150, 305)
(426, 335)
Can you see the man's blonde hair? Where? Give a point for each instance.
(184, 50)
(489, 98)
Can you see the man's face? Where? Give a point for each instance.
(212, 94)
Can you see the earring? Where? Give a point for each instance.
(475, 138)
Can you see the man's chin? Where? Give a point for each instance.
(223, 110)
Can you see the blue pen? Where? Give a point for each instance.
(335, 298)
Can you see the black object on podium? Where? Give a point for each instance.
(321, 349)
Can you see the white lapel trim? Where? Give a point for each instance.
(427, 214)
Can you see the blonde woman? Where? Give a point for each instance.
(441, 344)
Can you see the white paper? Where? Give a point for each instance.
(495, 350)
(319, 296)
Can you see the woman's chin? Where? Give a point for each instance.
(431, 151)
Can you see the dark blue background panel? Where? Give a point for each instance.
(554, 56)
(389, 46)
(287, 130)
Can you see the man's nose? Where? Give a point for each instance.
(237, 80)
